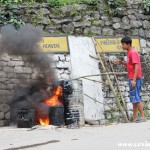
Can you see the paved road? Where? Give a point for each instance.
(133, 135)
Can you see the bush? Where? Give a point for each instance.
(8, 2)
(116, 3)
(71, 2)
(146, 4)
(52, 2)
(115, 7)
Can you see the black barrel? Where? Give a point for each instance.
(25, 118)
(56, 115)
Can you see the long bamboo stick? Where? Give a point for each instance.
(119, 90)
(115, 95)
(101, 102)
(95, 80)
(109, 73)
(112, 88)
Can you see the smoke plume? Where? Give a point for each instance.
(24, 42)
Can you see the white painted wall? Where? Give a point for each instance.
(82, 65)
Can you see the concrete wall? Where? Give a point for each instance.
(82, 65)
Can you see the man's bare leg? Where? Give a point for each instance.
(135, 108)
(140, 108)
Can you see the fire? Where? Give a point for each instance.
(52, 101)
(44, 121)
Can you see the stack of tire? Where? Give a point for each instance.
(73, 103)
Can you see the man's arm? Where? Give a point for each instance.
(122, 62)
(135, 75)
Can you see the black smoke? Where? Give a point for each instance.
(24, 42)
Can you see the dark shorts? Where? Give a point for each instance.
(135, 91)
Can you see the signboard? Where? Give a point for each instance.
(55, 44)
(114, 44)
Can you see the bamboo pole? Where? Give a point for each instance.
(100, 102)
(115, 94)
(119, 90)
(109, 73)
(122, 99)
(95, 80)
(112, 88)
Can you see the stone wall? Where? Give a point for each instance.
(20, 70)
(83, 19)
(12, 69)
(62, 66)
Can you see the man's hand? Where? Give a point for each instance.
(116, 62)
(133, 83)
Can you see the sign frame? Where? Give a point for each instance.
(61, 51)
(114, 37)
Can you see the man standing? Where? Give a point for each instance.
(133, 65)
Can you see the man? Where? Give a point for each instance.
(134, 70)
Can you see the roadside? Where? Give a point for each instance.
(112, 137)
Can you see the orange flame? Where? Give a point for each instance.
(52, 101)
(44, 121)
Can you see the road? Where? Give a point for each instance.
(112, 137)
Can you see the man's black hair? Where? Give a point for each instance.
(126, 40)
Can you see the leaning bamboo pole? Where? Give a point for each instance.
(95, 80)
(111, 85)
(119, 90)
(101, 102)
(113, 90)
(109, 73)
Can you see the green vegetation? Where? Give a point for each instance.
(53, 2)
(113, 118)
(10, 17)
(146, 4)
(9, 14)
(115, 7)
(14, 19)
(9, 2)
(71, 2)
(116, 3)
